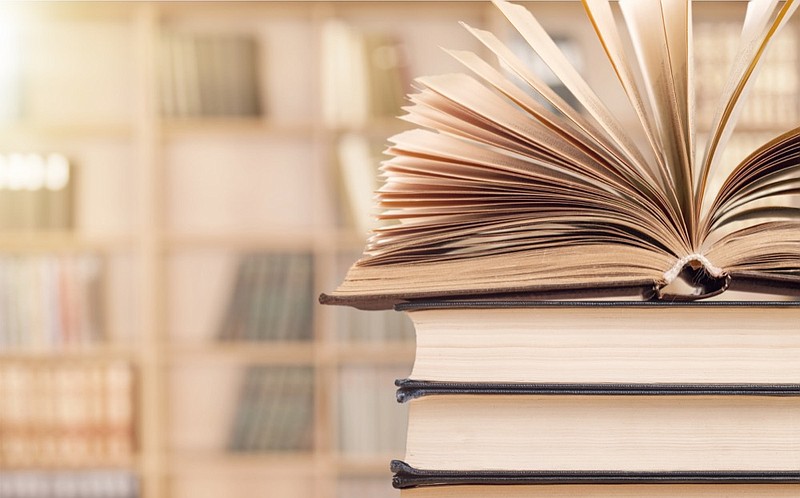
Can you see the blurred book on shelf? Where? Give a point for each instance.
(370, 420)
(356, 326)
(275, 410)
(271, 299)
(72, 415)
(48, 302)
(69, 484)
(773, 101)
(209, 75)
(357, 167)
(363, 74)
(36, 192)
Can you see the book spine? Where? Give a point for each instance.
(410, 389)
(406, 476)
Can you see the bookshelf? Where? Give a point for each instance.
(172, 204)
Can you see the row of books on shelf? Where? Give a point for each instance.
(271, 299)
(363, 73)
(369, 417)
(275, 410)
(73, 414)
(69, 484)
(209, 75)
(36, 192)
(773, 101)
(50, 301)
(378, 327)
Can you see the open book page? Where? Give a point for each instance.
(755, 220)
(508, 189)
(650, 23)
(593, 131)
(453, 104)
(756, 35)
(599, 12)
(553, 123)
(545, 47)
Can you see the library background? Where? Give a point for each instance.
(179, 181)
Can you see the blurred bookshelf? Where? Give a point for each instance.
(220, 162)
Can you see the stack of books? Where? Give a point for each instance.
(553, 262)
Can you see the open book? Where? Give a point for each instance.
(506, 188)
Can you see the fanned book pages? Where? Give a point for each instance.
(507, 189)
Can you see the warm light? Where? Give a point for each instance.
(15, 172)
(3, 172)
(57, 175)
(33, 172)
(9, 64)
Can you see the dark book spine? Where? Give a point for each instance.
(406, 476)
(409, 389)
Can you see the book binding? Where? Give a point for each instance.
(406, 476)
(410, 389)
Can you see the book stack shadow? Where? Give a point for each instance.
(602, 399)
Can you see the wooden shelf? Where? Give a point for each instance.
(300, 353)
(234, 127)
(381, 128)
(291, 240)
(10, 134)
(371, 465)
(62, 242)
(127, 464)
(69, 354)
(273, 353)
(396, 353)
(283, 463)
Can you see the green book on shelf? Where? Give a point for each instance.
(507, 189)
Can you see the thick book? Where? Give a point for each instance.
(586, 342)
(704, 490)
(524, 393)
(505, 188)
(601, 439)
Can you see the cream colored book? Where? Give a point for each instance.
(506, 188)
(602, 393)
(608, 342)
(593, 434)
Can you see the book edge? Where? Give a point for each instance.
(646, 291)
(406, 476)
(411, 389)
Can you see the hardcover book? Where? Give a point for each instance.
(505, 188)
(586, 393)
